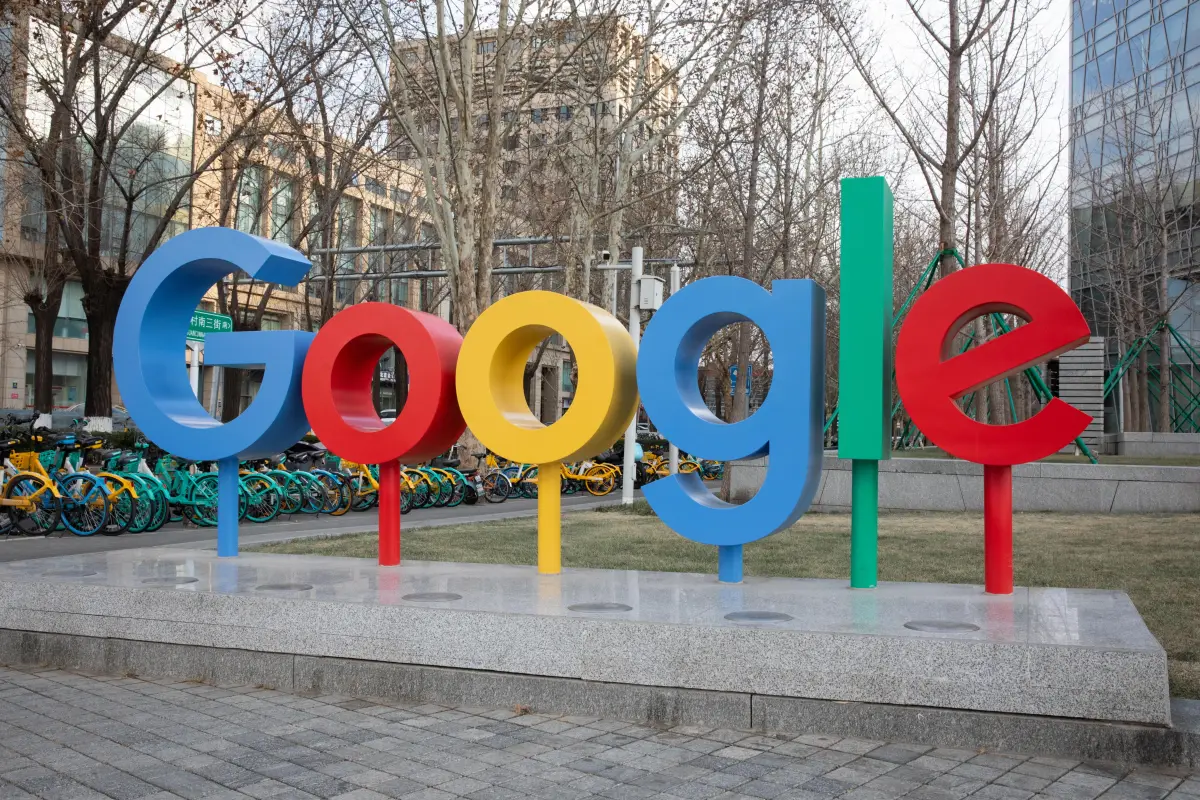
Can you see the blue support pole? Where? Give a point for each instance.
(729, 563)
(227, 507)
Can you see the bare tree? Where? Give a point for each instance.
(98, 96)
(931, 121)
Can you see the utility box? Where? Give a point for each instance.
(650, 293)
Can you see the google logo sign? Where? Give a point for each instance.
(322, 381)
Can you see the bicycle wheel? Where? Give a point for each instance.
(85, 503)
(263, 497)
(496, 487)
(528, 483)
(418, 489)
(364, 495)
(123, 507)
(316, 496)
(40, 517)
(441, 488)
(147, 505)
(430, 490)
(458, 488)
(158, 502)
(601, 480)
(338, 489)
(291, 492)
(201, 501)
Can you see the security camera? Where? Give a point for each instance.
(605, 256)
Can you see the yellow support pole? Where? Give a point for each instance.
(550, 518)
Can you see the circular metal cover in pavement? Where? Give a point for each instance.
(169, 581)
(283, 587)
(940, 626)
(599, 607)
(68, 573)
(431, 597)
(758, 616)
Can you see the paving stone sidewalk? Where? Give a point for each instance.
(79, 737)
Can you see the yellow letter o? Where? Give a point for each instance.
(491, 373)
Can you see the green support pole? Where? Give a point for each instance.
(865, 340)
(864, 523)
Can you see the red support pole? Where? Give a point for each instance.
(389, 513)
(997, 529)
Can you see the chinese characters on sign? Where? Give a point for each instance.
(205, 322)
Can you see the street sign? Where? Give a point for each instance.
(205, 322)
(733, 371)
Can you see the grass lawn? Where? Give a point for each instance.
(1153, 557)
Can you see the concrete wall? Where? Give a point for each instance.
(938, 484)
(1152, 444)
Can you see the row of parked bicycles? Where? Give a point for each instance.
(70, 481)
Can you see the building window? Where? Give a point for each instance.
(270, 322)
(249, 201)
(564, 112)
(281, 151)
(399, 292)
(71, 322)
(485, 46)
(346, 236)
(283, 210)
(212, 126)
(380, 228)
(400, 197)
(537, 115)
(69, 371)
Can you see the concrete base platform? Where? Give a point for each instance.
(1178, 745)
(1069, 653)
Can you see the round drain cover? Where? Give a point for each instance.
(69, 573)
(599, 607)
(283, 587)
(758, 616)
(940, 626)
(431, 597)
(168, 581)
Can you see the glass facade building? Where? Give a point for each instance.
(1135, 149)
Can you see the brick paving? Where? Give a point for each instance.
(70, 736)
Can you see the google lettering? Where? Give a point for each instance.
(323, 382)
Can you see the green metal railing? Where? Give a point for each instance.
(909, 432)
(1185, 376)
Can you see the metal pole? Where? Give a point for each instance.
(215, 398)
(194, 367)
(673, 450)
(635, 332)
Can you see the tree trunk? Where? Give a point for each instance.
(1143, 395)
(231, 392)
(1164, 345)
(44, 316)
(948, 209)
(102, 298)
(741, 399)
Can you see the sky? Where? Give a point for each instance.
(900, 36)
